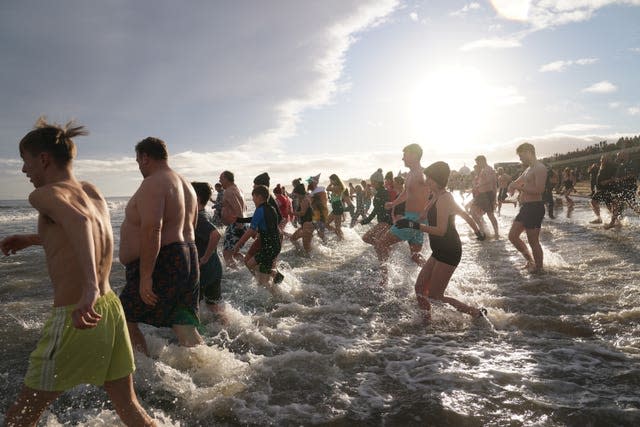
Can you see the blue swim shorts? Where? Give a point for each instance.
(414, 237)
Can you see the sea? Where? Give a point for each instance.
(335, 347)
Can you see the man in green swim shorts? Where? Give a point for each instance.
(85, 339)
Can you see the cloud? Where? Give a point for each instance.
(563, 65)
(601, 87)
(579, 127)
(466, 9)
(635, 49)
(634, 111)
(493, 43)
(413, 16)
(248, 70)
(545, 13)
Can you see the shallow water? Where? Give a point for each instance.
(336, 348)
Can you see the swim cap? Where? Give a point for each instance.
(439, 172)
(377, 176)
(262, 179)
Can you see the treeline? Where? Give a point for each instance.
(601, 147)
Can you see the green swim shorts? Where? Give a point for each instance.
(66, 356)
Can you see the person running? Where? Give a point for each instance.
(233, 211)
(217, 205)
(605, 186)
(359, 210)
(415, 198)
(207, 239)
(318, 205)
(446, 248)
(336, 188)
(625, 188)
(547, 196)
(504, 179)
(264, 223)
(304, 217)
(379, 211)
(531, 186)
(85, 339)
(284, 206)
(485, 193)
(368, 195)
(158, 250)
(568, 183)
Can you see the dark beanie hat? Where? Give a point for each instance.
(262, 179)
(439, 172)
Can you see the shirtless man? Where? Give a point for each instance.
(414, 195)
(158, 250)
(531, 186)
(75, 231)
(233, 209)
(485, 199)
(504, 179)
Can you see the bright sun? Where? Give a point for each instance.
(451, 107)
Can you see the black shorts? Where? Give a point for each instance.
(531, 214)
(603, 196)
(486, 201)
(502, 195)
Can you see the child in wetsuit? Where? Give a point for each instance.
(265, 224)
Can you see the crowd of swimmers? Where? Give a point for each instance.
(169, 241)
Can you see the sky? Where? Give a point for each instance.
(297, 88)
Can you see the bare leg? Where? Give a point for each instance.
(137, 339)
(126, 403)
(188, 335)
(29, 406)
(494, 222)
(440, 277)
(422, 284)
(383, 245)
(514, 236)
(533, 235)
(416, 256)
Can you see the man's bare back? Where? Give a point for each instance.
(233, 206)
(62, 207)
(164, 200)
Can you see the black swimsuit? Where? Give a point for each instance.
(447, 248)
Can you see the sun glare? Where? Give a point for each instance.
(451, 108)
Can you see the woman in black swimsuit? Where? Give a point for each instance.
(304, 215)
(444, 240)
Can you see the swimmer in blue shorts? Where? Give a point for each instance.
(415, 198)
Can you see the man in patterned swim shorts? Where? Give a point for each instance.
(157, 247)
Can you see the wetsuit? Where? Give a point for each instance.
(447, 248)
(211, 271)
(265, 221)
(383, 215)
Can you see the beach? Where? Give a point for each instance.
(333, 347)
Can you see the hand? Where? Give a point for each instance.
(14, 243)
(202, 261)
(146, 292)
(480, 235)
(388, 205)
(84, 316)
(407, 223)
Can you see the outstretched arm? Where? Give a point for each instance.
(17, 242)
